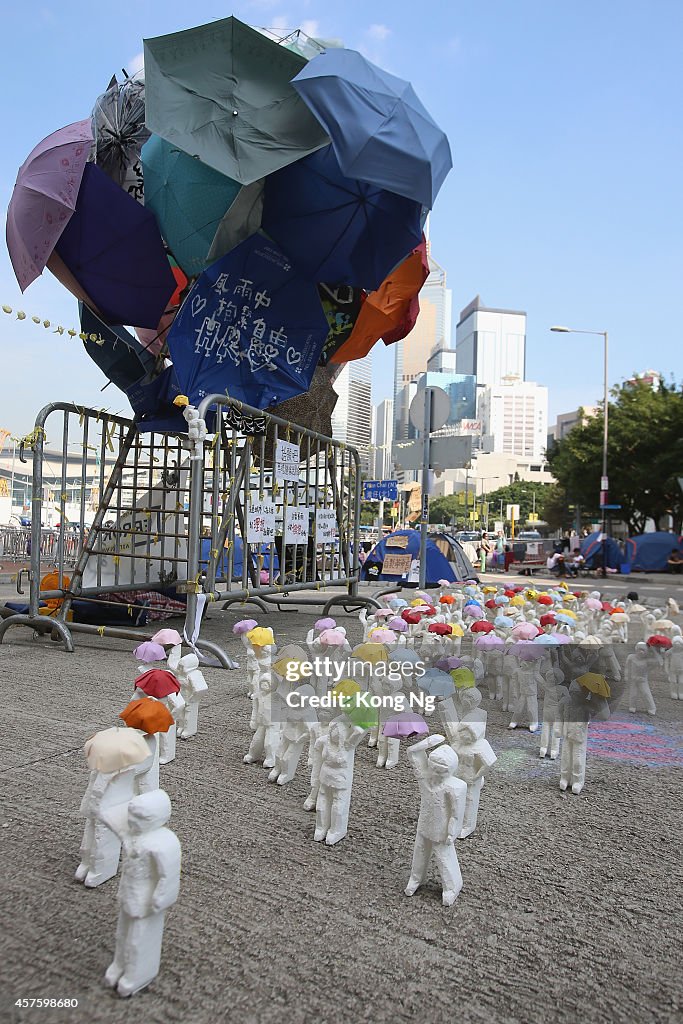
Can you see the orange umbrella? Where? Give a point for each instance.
(147, 714)
(389, 312)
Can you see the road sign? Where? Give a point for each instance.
(444, 453)
(512, 512)
(380, 490)
(604, 483)
(610, 506)
(441, 409)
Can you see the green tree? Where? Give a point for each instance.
(529, 495)
(644, 456)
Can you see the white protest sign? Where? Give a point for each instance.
(261, 522)
(326, 530)
(287, 458)
(296, 525)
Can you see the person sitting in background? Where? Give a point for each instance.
(675, 561)
(576, 563)
(556, 564)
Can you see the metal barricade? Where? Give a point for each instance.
(155, 512)
(275, 510)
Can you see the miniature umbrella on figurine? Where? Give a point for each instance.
(111, 750)
(405, 724)
(148, 715)
(158, 683)
(437, 683)
(659, 640)
(594, 683)
(168, 637)
(463, 678)
(149, 651)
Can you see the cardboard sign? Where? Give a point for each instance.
(296, 525)
(397, 542)
(396, 565)
(287, 459)
(261, 522)
(326, 529)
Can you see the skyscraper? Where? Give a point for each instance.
(490, 343)
(352, 416)
(515, 414)
(381, 467)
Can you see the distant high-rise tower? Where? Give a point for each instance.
(515, 414)
(490, 343)
(380, 465)
(352, 416)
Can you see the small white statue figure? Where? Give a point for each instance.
(674, 668)
(196, 427)
(315, 762)
(637, 678)
(192, 686)
(150, 880)
(578, 709)
(337, 750)
(510, 680)
(551, 728)
(475, 754)
(112, 755)
(443, 797)
(266, 739)
(527, 702)
(299, 724)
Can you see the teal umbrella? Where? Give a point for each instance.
(222, 92)
(188, 200)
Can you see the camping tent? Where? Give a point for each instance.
(649, 552)
(591, 549)
(399, 554)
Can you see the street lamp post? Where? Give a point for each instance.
(604, 483)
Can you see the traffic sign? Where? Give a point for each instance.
(610, 506)
(441, 409)
(380, 490)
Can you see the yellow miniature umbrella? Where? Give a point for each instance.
(518, 600)
(463, 678)
(371, 652)
(595, 683)
(345, 688)
(261, 636)
(570, 613)
(531, 594)
(457, 630)
(417, 602)
(489, 590)
(289, 662)
(568, 598)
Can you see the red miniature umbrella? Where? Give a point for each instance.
(490, 603)
(428, 610)
(481, 626)
(148, 715)
(548, 619)
(447, 599)
(544, 599)
(158, 682)
(658, 640)
(440, 628)
(412, 618)
(607, 607)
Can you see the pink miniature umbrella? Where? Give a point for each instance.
(383, 613)
(561, 638)
(149, 651)
(593, 604)
(398, 624)
(244, 626)
(333, 638)
(383, 636)
(658, 640)
(489, 641)
(446, 664)
(157, 683)
(405, 724)
(481, 626)
(322, 624)
(526, 650)
(474, 611)
(525, 631)
(44, 198)
(167, 637)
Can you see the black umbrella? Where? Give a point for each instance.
(119, 130)
(120, 357)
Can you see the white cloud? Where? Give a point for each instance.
(310, 27)
(379, 32)
(136, 65)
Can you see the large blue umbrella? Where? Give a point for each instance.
(251, 327)
(188, 199)
(113, 249)
(118, 353)
(336, 228)
(379, 129)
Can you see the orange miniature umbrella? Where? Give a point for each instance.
(148, 715)
(389, 312)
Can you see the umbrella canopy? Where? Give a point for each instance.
(391, 311)
(289, 661)
(261, 636)
(659, 640)
(358, 713)
(594, 683)
(526, 650)
(157, 683)
(336, 228)
(148, 715)
(118, 121)
(168, 637)
(240, 220)
(343, 306)
(373, 653)
(489, 641)
(437, 683)
(222, 92)
(113, 249)
(345, 688)
(405, 724)
(188, 200)
(250, 326)
(44, 198)
(148, 651)
(111, 750)
(118, 354)
(463, 678)
(380, 130)
(481, 626)
(313, 409)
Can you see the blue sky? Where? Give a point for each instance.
(564, 200)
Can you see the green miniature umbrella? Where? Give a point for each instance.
(221, 92)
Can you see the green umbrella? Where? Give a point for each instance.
(188, 200)
(222, 92)
(243, 218)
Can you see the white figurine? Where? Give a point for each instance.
(637, 678)
(442, 808)
(337, 750)
(527, 702)
(299, 725)
(266, 739)
(475, 754)
(150, 879)
(192, 686)
(674, 668)
(112, 755)
(551, 728)
(578, 708)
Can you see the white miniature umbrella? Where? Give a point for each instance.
(112, 750)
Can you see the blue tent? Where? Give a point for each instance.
(445, 559)
(238, 559)
(649, 552)
(591, 549)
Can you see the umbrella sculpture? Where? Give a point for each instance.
(44, 198)
(343, 306)
(336, 228)
(405, 724)
(118, 121)
(241, 219)
(594, 683)
(111, 750)
(148, 715)
(188, 200)
(380, 130)
(148, 651)
(463, 678)
(157, 683)
(250, 326)
(113, 249)
(222, 92)
(437, 683)
(117, 353)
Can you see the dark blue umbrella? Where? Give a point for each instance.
(152, 403)
(251, 327)
(379, 129)
(113, 249)
(336, 228)
(119, 355)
